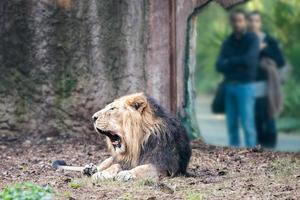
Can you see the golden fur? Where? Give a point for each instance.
(134, 121)
(145, 141)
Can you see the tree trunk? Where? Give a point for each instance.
(62, 60)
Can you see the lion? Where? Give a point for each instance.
(145, 141)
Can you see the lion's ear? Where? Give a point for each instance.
(139, 103)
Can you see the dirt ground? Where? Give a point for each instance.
(216, 172)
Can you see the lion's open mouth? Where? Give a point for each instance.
(113, 136)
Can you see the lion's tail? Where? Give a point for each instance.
(62, 165)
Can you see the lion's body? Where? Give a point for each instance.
(168, 149)
(145, 140)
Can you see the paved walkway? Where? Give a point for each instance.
(213, 128)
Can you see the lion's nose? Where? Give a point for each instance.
(94, 118)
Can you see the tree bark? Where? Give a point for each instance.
(62, 60)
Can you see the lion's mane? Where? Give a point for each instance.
(153, 137)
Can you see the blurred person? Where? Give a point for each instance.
(269, 98)
(238, 62)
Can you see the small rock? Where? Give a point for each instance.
(164, 188)
(192, 183)
(151, 198)
(67, 180)
(5, 173)
(27, 143)
(258, 149)
(3, 147)
(222, 173)
(287, 188)
(89, 153)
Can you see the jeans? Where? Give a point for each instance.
(239, 105)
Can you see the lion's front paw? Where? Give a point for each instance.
(89, 169)
(125, 175)
(100, 176)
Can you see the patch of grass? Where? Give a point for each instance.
(76, 184)
(106, 183)
(144, 182)
(284, 167)
(26, 191)
(23, 167)
(67, 195)
(193, 195)
(126, 196)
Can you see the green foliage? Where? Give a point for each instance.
(292, 98)
(75, 184)
(211, 36)
(288, 125)
(67, 195)
(281, 20)
(26, 191)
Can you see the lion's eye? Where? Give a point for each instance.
(112, 108)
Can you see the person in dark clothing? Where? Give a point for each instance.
(269, 48)
(238, 62)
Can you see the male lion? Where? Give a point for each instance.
(144, 140)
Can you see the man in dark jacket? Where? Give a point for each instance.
(269, 48)
(238, 62)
